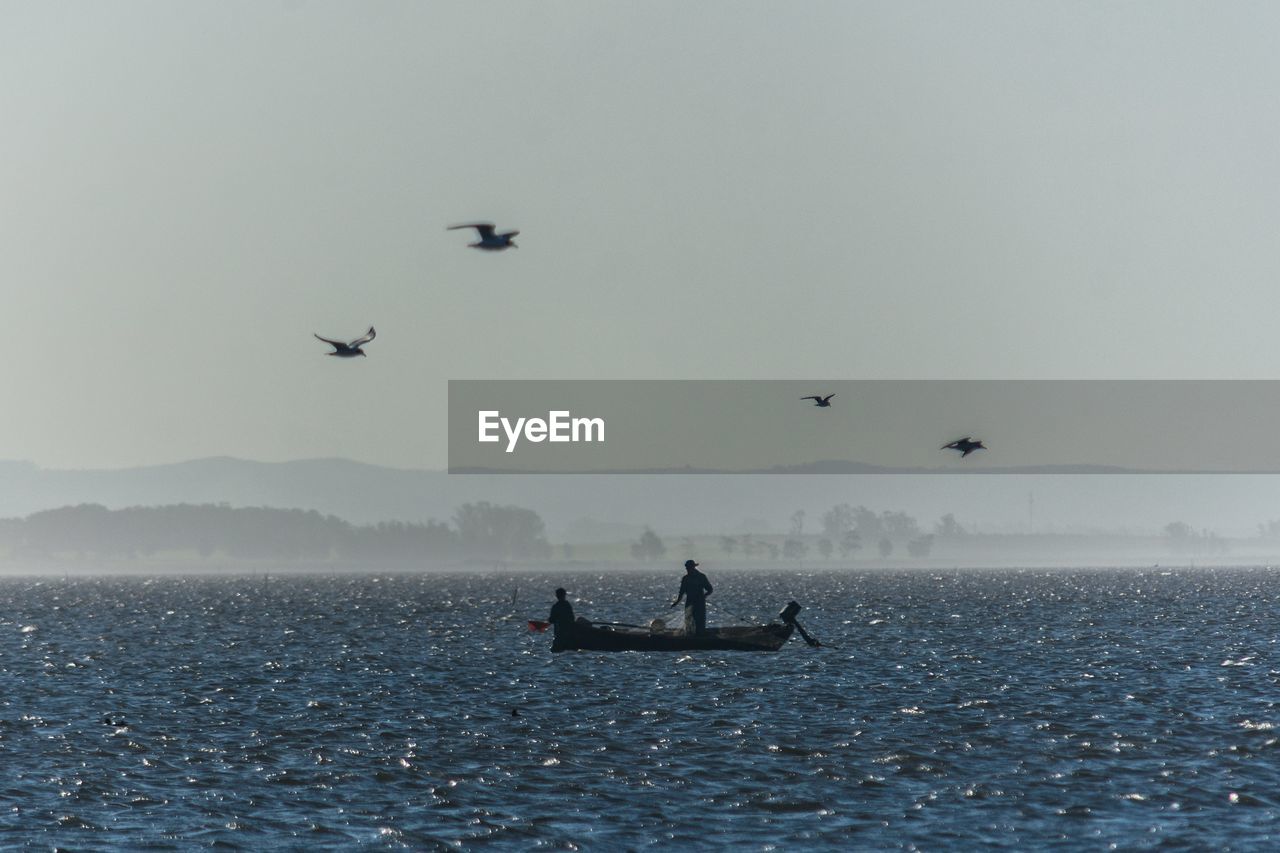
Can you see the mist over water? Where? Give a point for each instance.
(1012, 708)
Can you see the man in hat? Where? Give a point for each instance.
(694, 589)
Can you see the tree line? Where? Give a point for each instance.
(476, 531)
(844, 529)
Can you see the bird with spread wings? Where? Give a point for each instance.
(351, 349)
(489, 240)
(965, 445)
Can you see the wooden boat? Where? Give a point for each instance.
(617, 637)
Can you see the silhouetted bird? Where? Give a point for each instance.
(342, 350)
(965, 445)
(515, 712)
(489, 241)
(821, 402)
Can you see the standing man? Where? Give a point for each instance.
(694, 589)
(561, 619)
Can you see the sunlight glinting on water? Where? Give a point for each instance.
(1010, 708)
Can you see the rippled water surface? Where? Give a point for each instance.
(950, 709)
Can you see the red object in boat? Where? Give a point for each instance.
(535, 625)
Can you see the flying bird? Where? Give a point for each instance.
(489, 240)
(820, 402)
(352, 349)
(965, 445)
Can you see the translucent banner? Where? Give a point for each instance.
(863, 426)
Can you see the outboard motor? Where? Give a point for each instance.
(788, 616)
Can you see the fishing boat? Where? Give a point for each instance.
(657, 637)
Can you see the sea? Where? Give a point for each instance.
(1015, 708)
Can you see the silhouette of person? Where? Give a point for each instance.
(561, 619)
(694, 589)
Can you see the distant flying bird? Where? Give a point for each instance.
(489, 241)
(352, 349)
(821, 402)
(965, 445)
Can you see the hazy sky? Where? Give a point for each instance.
(705, 190)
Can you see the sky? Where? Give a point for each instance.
(715, 190)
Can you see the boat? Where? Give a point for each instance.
(620, 637)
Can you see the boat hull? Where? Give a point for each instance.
(591, 637)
